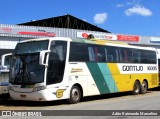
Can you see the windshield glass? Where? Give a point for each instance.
(31, 47)
(7, 60)
(25, 69)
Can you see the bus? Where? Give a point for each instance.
(158, 57)
(4, 73)
(49, 69)
(5, 62)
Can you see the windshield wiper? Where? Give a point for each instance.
(23, 76)
(18, 78)
(26, 74)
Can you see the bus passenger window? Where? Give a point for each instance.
(96, 53)
(125, 55)
(112, 54)
(91, 54)
(78, 52)
(110, 58)
(136, 56)
(101, 54)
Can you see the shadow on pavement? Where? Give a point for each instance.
(155, 89)
(6, 101)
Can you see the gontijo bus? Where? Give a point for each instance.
(62, 68)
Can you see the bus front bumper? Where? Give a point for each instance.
(44, 95)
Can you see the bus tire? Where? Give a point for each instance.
(144, 87)
(136, 88)
(75, 95)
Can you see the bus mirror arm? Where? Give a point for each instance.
(42, 57)
(4, 57)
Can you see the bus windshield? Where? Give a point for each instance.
(7, 60)
(25, 69)
(31, 47)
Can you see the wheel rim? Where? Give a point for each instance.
(144, 86)
(75, 94)
(136, 88)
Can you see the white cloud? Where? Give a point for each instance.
(120, 5)
(133, 2)
(84, 19)
(100, 18)
(138, 10)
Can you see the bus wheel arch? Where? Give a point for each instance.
(144, 87)
(76, 93)
(136, 87)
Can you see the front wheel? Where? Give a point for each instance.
(75, 95)
(144, 87)
(136, 88)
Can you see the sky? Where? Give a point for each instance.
(131, 17)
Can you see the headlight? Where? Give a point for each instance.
(39, 88)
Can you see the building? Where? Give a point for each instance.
(63, 26)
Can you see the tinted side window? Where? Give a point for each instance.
(96, 53)
(111, 54)
(144, 56)
(78, 52)
(125, 55)
(136, 56)
(148, 57)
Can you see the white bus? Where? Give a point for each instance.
(4, 73)
(62, 68)
(5, 62)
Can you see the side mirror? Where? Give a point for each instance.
(5, 60)
(42, 57)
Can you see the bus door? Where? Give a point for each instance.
(56, 62)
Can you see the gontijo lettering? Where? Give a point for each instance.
(132, 68)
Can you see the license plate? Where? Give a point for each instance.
(23, 96)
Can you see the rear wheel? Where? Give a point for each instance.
(75, 95)
(144, 87)
(136, 88)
